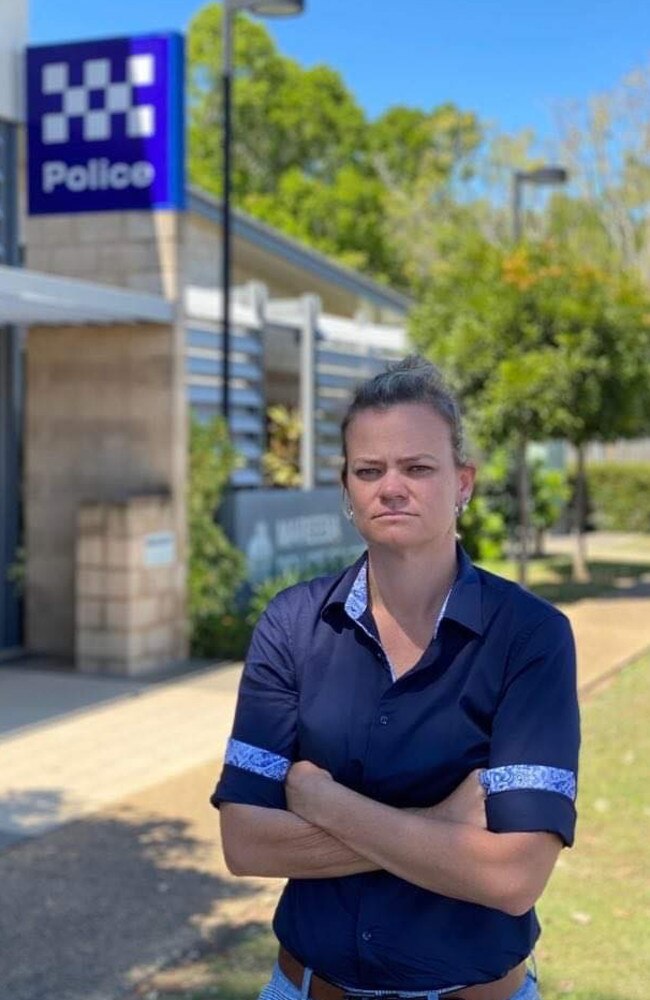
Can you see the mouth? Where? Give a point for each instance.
(397, 513)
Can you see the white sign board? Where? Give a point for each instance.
(159, 548)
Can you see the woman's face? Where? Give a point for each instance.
(401, 476)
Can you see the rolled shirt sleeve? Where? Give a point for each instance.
(262, 746)
(531, 780)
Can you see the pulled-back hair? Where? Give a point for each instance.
(412, 380)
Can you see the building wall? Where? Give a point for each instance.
(161, 252)
(13, 39)
(107, 408)
(136, 250)
(10, 448)
(203, 254)
(103, 423)
(12, 30)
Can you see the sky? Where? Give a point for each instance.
(510, 61)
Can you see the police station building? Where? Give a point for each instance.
(110, 332)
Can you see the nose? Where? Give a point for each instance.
(393, 487)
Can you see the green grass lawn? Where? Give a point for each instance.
(550, 576)
(596, 911)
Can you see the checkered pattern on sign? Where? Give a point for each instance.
(98, 99)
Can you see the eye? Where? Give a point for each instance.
(366, 473)
(420, 468)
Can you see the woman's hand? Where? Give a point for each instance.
(466, 804)
(304, 786)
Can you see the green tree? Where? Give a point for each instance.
(406, 144)
(425, 161)
(300, 156)
(540, 346)
(549, 492)
(602, 322)
(343, 218)
(604, 141)
(283, 115)
(305, 157)
(445, 202)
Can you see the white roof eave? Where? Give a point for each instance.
(28, 298)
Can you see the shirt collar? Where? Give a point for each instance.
(357, 600)
(463, 606)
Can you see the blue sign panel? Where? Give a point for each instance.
(105, 125)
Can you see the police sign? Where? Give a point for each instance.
(105, 125)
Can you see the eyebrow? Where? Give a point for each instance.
(408, 458)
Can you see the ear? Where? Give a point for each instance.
(466, 480)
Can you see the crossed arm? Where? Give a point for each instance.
(331, 831)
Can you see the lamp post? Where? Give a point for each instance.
(261, 8)
(542, 176)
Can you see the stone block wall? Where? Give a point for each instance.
(136, 250)
(105, 421)
(129, 587)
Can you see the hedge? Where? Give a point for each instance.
(619, 495)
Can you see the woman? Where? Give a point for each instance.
(405, 744)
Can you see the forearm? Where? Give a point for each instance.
(278, 844)
(452, 859)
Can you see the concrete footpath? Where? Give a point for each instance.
(111, 864)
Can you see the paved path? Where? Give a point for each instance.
(610, 632)
(57, 771)
(112, 864)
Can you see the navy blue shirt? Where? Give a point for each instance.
(495, 689)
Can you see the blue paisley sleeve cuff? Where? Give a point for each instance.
(536, 798)
(252, 776)
(532, 777)
(256, 760)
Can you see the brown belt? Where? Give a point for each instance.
(320, 989)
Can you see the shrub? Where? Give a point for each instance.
(223, 636)
(281, 463)
(550, 493)
(266, 591)
(215, 566)
(620, 495)
(228, 635)
(482, 530)
(497, 485)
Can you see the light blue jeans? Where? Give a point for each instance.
(280, 988)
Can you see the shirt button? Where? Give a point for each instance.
(367, 935)
(383, 720)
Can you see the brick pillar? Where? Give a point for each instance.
(130, 615)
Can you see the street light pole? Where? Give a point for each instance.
(516, 205)
(262, 8)
(226, 243)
